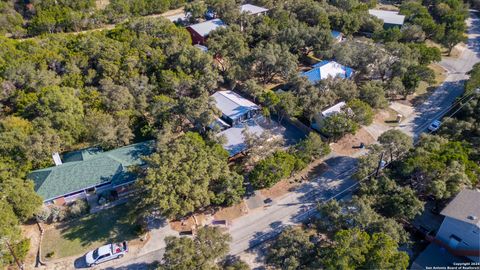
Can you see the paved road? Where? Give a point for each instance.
(263, 223)
(250, 230)
(440, 101)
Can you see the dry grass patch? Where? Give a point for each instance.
(345, 145)
(232, 212)
(101, 4)
(279, 189)
(188, 224)
(389, 7)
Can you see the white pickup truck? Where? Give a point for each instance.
(106, 253)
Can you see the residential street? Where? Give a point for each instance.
(457, 68)
(262, 223)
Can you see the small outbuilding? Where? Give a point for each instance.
(253, 10)
(390, 18)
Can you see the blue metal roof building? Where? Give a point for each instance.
(325, 69)
(337, 35)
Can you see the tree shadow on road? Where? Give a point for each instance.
(135, 266)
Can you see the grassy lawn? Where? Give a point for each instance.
(81, 235)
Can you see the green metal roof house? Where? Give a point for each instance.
(89, 170)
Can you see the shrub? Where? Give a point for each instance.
(362, 112)
(57, 213)
(311, 148)
(102, 200)
(43, 215)
(338, 125)
(78, 208)
(272, 169)
(20, 250)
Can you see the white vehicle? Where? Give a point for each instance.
(434, 125)
(106, 253)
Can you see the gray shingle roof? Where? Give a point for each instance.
(464, 207)
(232, 104)
(235, 141)
(100, 168)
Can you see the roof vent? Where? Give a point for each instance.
(56, 159)
(472, 217)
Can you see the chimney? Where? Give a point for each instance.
(57, 159)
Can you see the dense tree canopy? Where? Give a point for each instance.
(359, 213)
(202, 252)
(143, 80)
(201, 177)
(355, 249)
(396, 143)
(336, 126)
(361, 111)
(440, 167)
(292, 250)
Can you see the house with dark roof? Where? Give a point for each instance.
(390, 18)
(325, 69)
(458, 238)
(200, 31)
(235, 108)
(90, 171)
(238, 113)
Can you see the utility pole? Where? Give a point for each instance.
(379, 164)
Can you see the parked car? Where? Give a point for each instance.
(434, 126)
(106, 253)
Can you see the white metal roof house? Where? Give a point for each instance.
(389, 18)
(234, 107)
(318, 119)
(324, 69)
(334, 109)
(253, 10)
(235, 140)
(200, 31)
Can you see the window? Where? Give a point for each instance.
(103, 256)
(95, 254)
